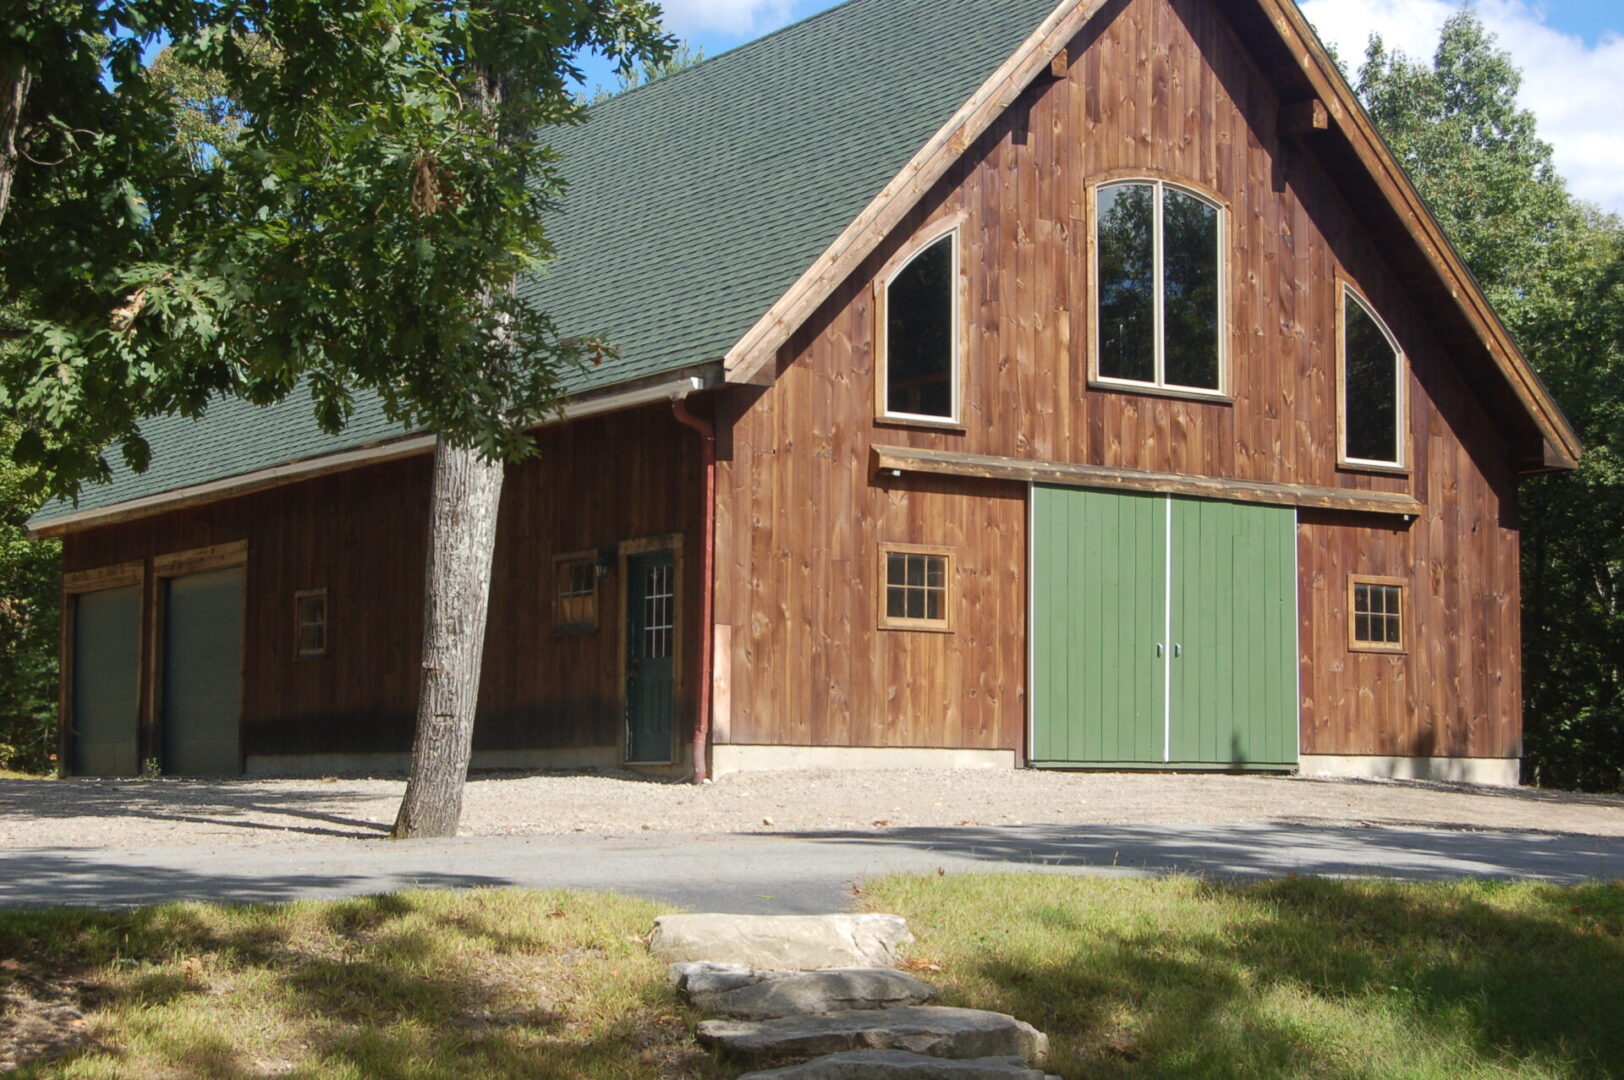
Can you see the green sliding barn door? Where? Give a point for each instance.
(1164, 631)
(106, 680)
(202, 674)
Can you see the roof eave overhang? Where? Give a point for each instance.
(629, 395)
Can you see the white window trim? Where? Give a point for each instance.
(1160, 385)
(882, 331)
(1400, 387)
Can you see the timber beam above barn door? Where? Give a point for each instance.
(904, 459)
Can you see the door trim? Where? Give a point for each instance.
(178, 564)
(646, 545)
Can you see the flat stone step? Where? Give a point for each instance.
(862, 1064)
(932, 1030)
(782, 942)
(747, 994)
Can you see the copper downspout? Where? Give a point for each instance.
(707, 433)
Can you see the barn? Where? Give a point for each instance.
(1014, 385)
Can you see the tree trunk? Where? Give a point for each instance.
(456, 588)
(456, 600)
(14, 80)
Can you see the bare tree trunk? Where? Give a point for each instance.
(456, 588)
(14, 81)
(456, 600)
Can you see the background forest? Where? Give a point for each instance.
(1553, 267)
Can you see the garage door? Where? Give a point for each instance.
(1163, 632)
(106, 682)
(202, 674)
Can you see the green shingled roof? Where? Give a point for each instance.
(694, 203)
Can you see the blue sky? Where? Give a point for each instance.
(1571, 53)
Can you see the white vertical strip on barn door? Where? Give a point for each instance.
(1167, 643)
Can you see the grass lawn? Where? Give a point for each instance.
(424, 985)
(1297, 978)
(1157, 978)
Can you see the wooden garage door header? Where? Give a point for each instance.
(1061, 474)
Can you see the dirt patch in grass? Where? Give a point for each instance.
(484, 983)
(1288, 978)
(41, 1015)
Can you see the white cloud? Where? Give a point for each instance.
(1574, 88)
(734, 18)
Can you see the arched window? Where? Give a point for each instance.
(920, 338)
(1158, 287)
(1372, 372)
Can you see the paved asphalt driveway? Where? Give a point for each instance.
(787, 872)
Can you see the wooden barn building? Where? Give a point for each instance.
(1089, 388)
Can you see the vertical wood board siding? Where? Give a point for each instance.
(362, 535)
(1158, 88)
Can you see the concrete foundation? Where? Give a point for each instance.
(731, 759)
(589, 757)
(1494, 772)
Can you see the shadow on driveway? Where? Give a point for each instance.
(1256, 850)
(85, 878)
(249, 805)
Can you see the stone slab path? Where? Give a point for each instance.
(829, 1021)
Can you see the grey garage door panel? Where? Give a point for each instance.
(202, 674)
(106, 682)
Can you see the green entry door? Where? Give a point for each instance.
(1164, 632)
(106, 682)
(651, 641)
(202, 674)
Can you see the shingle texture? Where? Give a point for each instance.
(694, 203)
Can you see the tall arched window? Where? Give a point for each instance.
(1158, 287)
(1372, 375)
(920, 338)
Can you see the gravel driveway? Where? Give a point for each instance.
(156, 813)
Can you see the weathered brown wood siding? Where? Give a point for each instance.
(362, 535)
(1154, 87)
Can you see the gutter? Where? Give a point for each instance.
(707, 602)
(310, 468)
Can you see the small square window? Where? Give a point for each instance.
(1376, 613)
(577, 576)
(916, 588)
(310, 622)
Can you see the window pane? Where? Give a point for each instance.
(1392, 629)
(1361, 628)
(896, 602)
(1126, 282)
(916, 570)
(935, 571)
(1361, 598)
(1371, 388)
(933, 604)
(919, 334)
(1190, 281)
(895, 569)
(916, 603)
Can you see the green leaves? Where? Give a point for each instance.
(335, 193)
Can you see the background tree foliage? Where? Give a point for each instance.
(1554, 269)
(29, 590)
